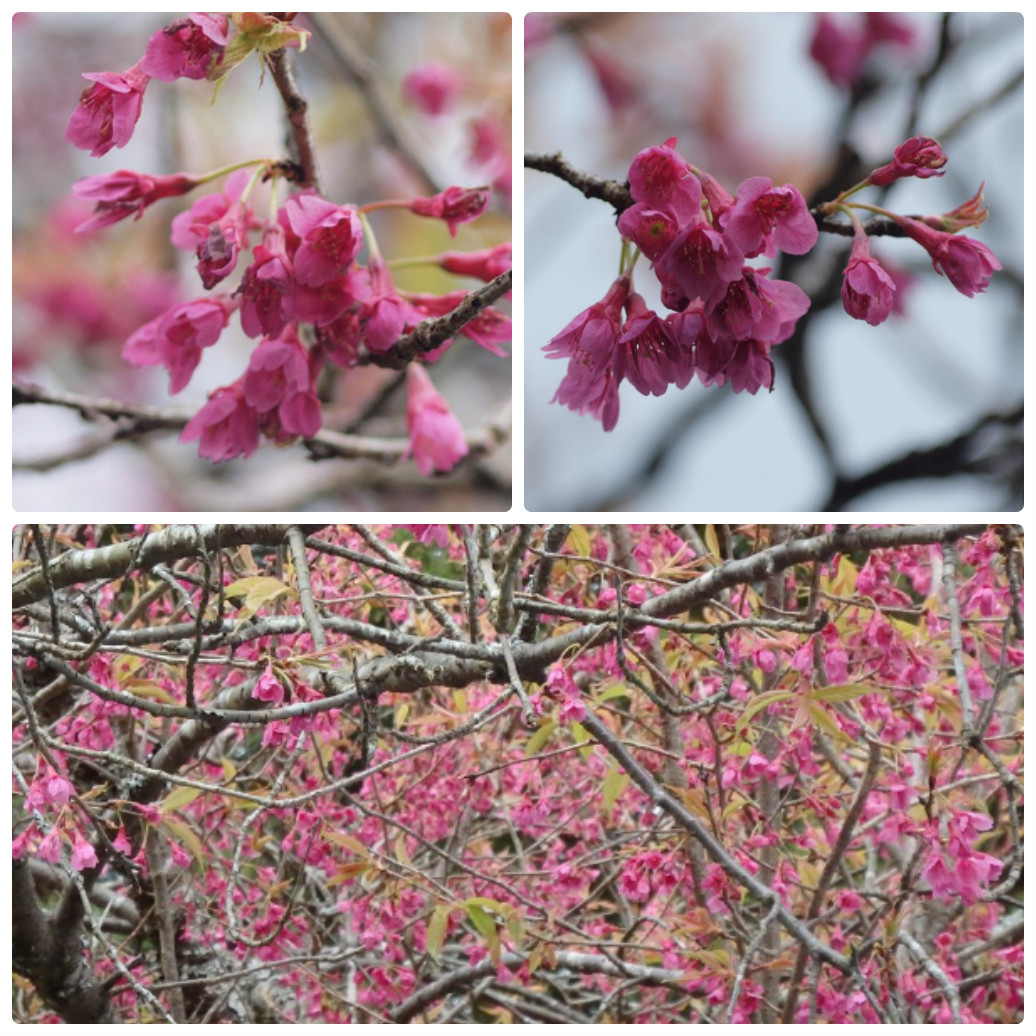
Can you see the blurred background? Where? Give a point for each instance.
(77, 298)
(922, 412)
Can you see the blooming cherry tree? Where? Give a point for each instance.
(563, 773)
(300, 273)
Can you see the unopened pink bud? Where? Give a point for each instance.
(918, 156)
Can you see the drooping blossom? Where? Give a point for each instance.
(268, 687)
(868, 291)
(278, 368)
(765, 218)
(613, 79)
(49, 848)
(840, 50)
(279, 385)
(436, 437)
(383, 314)
(432, 86)
(117, 196)
(919, 156)
(649, 354)
(701, 261)
(588, 342)
(754, 306)
(455, 205)
(330, 237)
(967, 263)
(176, 338)
(187, 48)
(266, 287)
(108, 111)
(226, 425)
(483, 265)
(83, 854)
(227, 238)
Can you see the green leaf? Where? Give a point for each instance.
(180, 832)
(580, 734)
(483, 923)
(617, 690)
(437, 930)
(257, 591)
(178, 798)
(613, 786)
(825, 721)
(540, 737)
(579, 540)
(760, 702)
(843, 692)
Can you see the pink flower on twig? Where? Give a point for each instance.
(436, 438)
(108, 111)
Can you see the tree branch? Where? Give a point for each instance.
(611, 191)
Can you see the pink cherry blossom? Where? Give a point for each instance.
(918, 156)
(277, 369)
(49, 848)
(227, 237)
(455, 205)
(176, 338)
(383, 314)
(661, 179)
(839, 50)
(83, 854)
(331, 237)
(108, 111)
(589, 342)
(187, 48)
(432, 87)
(191, 228)
(268, 687)
(765, 218)
(867, 290)
(649, 229)
(436, 438)
(226, 425)
(700, 262)
(266, 287)
(648, 355)
(967, 263)
(123, 194)
(57, 790)
(483, 265)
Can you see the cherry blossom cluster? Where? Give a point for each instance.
(868, 289)
(725, 315)
(303, 292)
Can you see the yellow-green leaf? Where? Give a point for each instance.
(843, 692)
(437, 930)
(760, 702)
(184, 834)
(540, 737)
(483, 923)
(178, 798)
(340, 838)
(579, 540)
(579, 735)
(613, 786)
(825, 721)
(256, 592)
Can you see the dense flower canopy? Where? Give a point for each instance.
(518, 773)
